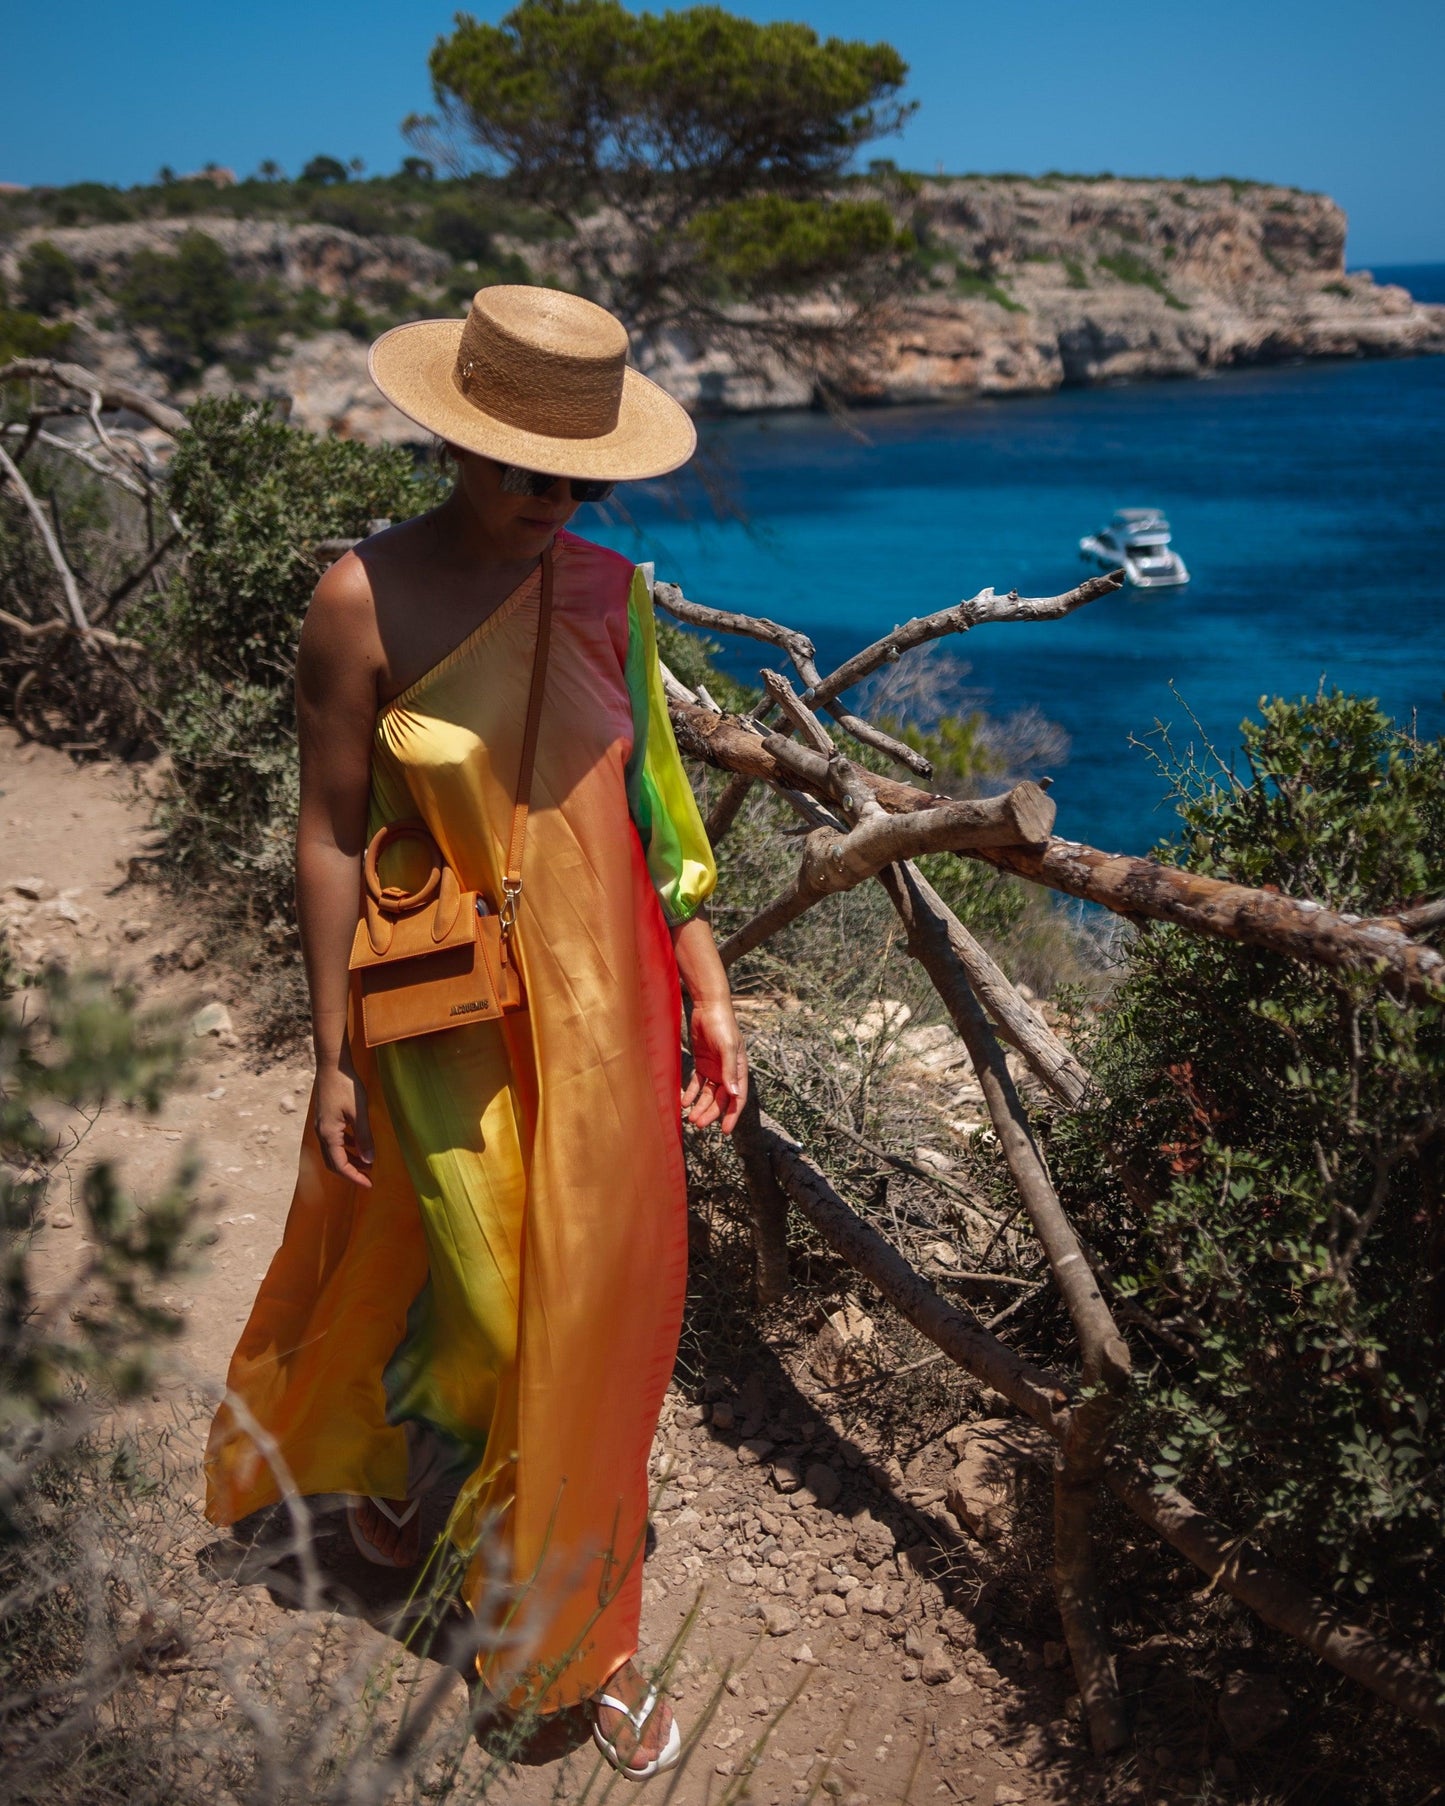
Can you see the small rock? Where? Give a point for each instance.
(874, 1541)
(135, 929)
(936, 1667)
(212, 1019)
(193, 956)
(723, 1416)
(779, 1619)
(823, 1483)
(67, 911)
(33, 888)
(742, 1573)
(910, 1671)
(943, 1252)
(803, 1654)
(756, 1449)
(834, 1606)
(216, 1094)
(1250, 1707)
(839, 1351)
(913, 1640)
(286, 1104)
(1006, 1795)
(986, 1485)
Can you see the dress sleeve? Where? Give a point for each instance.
(659, 796)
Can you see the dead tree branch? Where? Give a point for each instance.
(801, 651)
(976, 611)
(1234, 1566)
(1079, 1464)
(1137, 888)
(112, 396)
(11, 470)
(1237, 1568)
(834, 861)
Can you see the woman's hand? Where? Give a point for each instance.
(342, 1125)
(719, 1083)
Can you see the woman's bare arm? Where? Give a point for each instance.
(336, 701)
(720, 1063)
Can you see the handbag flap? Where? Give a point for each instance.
(422, 932)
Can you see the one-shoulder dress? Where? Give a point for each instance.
(509, 1291)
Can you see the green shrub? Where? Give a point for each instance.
(1128, 266)
(48, 278)
(253, 496)
(26, 335)
(192, 298)
(1263, 1169)
(978, 285)
(769, 243)
(73, 1044)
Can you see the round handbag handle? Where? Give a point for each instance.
(389, 897)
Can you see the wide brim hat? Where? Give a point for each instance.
(535, 377)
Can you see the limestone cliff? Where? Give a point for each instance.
(1024, 285)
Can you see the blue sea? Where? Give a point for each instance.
(1308, 502)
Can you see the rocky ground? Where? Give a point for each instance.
(836, 1589)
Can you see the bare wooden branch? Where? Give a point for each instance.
(45, 630)
(1138, 888)
(112, 395)
(1297, 927)
(1421, 918)
(724, 811)
(1018, 1024)
(801, 651)
(1237, 1568)
(975, 611)
(1037, 1393)
(835, 862)
(767, 1203)
(81, 453)
(1104, 1353)
(1230, 1562)
(9, 468)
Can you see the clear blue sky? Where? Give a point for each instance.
(1341, 95)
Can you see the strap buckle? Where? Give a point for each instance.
(511, 890)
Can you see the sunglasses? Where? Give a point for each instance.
(536, 483)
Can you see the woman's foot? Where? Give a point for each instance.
(398, 1544)
(629, 1684)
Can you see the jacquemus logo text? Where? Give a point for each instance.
(466, 1009)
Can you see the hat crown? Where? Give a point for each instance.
(543, 361)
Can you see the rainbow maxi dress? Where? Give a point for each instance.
(510, 1289)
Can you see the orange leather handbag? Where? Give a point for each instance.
(440, 957)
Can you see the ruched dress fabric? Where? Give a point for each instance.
(512, 1283)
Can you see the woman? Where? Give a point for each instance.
(482, 1270)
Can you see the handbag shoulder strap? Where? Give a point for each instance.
(512, 882)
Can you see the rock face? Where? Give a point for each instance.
(1027, 285)
(326, 258)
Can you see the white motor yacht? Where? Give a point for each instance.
(1137, 539)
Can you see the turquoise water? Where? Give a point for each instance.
(1307, 502)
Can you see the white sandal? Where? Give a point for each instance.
(637, 1717)
(399, 1519)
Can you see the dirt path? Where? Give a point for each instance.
(815, 1574)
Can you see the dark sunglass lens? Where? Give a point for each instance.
(590, 489)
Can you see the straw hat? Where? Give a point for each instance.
(534, 377)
